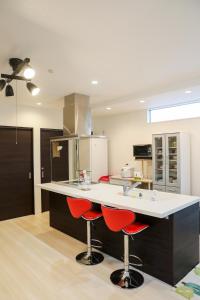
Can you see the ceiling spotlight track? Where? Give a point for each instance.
(18, 65)
(13, 77)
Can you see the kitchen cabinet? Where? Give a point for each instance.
(171, 162)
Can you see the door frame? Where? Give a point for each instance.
(32, 156)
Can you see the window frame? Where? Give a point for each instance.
(161, 108)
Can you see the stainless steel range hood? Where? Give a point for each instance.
(77, 119)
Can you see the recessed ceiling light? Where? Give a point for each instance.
(142, 101)
(94, 82)
(188, 92)
(108, 108)
(39, 103)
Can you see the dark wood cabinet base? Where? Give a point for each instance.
(169, 248)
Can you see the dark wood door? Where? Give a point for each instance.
(16, 172)
(61, 164)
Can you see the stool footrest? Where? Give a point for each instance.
(96, 243)
(138, 263)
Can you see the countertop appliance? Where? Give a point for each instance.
(142, 151)
(127, 171)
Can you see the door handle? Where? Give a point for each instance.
(42, 172)
(29, 175)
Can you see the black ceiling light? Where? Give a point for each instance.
(18, 65)
(2, 84)
(9, 91)
(33, 89)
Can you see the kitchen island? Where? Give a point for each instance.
(169, 248)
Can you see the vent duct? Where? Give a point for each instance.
(77, 115)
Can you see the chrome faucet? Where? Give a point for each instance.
(128, 187)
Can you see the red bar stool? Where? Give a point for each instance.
(104, 179)
(124, 220)
(82, 208)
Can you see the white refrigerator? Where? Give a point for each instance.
(93, 156)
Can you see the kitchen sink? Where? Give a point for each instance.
(76, 183)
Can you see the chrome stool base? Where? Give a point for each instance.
(127, 280)
(93, 259)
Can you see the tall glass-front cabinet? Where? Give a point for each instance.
(171, 162)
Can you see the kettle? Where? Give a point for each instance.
(127, 171)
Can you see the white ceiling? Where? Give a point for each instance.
(136, 49)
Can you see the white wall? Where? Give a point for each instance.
(35, 117)
(125, 130)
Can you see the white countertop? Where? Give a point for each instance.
(111, 195)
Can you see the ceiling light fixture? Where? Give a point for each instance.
(39, 103)
(33, 89)
(108, 108)
(18, 65)
(188, 92)
(94, 82)
(142, 101)
(9, 91)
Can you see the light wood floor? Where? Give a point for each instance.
(37, 262)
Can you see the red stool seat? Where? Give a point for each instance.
(78, 206)
(122, 219)
(135, 228)
(92, 215)
(105, 179)
(82, 208)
